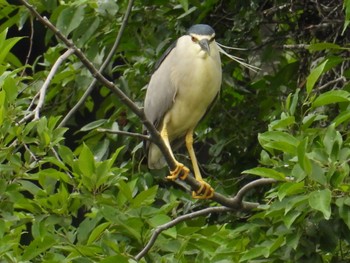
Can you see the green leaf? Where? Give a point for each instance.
(310, 119)
(343, 204)
(278, 140)
(290, 217)
(145, 197)
(254, 252)
(38, 246)
(314, 76)
(290, 188)
(70, 18)
(3, 106)
(277, 243)
(30, 187)
(330, 97)
(321, 200)
(266, 172)
(323, 46)
(294, 103)
(303, 160)
(86, 30)
(282, 123)
(6, 45)
(125, 190)
(319, 70)
(86, 161)
(66, 154)
(97, 232)
(332, 140)
(184, 4)
(346, 7)
(116, 258)
(93, 125)
(11, 88)
(318, 173)
(341, 118)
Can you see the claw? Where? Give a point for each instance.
(180, 172)
(205, 191)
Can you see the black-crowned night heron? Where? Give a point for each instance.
(185, 83)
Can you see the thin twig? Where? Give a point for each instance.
(296, 46)
(341, 79)
(103, 66)
(132, 134)
(30, 46)
(161, 228)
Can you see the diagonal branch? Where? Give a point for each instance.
(103, 66)
(43, 89)
(161, 228)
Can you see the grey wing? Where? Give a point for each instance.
(161, 90)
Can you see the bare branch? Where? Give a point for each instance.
(43, 89)
(103, 66)
(245, 189)
(30, 45)
(341, 79)
(296, 46)
(132, 134)
(161, 228)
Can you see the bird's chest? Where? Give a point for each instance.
(195, 90)
(197, 82)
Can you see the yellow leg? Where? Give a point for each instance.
(205, 191)
(180, 171)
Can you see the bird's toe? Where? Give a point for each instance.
(181, 172)
(205, 191)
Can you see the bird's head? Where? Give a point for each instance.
(202, 35)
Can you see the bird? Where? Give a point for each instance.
(185, 83)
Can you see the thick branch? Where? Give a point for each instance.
(245, 189)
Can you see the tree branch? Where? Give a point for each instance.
(43, 89)
(103, 66)
(132, 134)
(161, 228)
(245, 189)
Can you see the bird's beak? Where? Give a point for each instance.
(204, 44)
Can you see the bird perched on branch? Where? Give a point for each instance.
(185, 83)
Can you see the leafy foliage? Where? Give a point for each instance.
(70, 193)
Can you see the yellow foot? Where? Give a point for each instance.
(204, 192)
(180, 171)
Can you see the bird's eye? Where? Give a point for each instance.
(195, 40)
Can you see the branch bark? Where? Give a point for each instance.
(43, 89)
(132, 134)
(161, 228)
